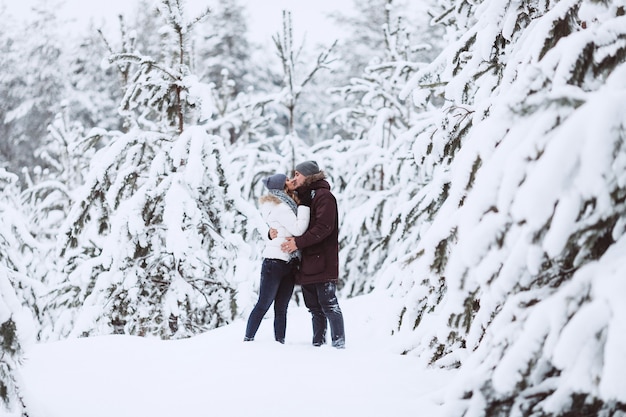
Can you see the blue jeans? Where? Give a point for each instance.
(277, 283)
(322, 302)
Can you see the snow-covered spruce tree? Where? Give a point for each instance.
(9, 77)
(140, 30)
(239, 110)
(61, 72)
(223, 46)
(18, 293)
(375, 109)
(241, 117)
(379, 176)
(32, 79)
(93, 90)
(149, 247)
(518, 279)
(11, 343)
(50, 193)
(165, 265)
(364, 35)
(157, 95)
(295, 78)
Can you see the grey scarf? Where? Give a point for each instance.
(286, 199)
(294, 207)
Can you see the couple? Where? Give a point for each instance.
(303, 249)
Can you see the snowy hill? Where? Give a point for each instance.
(218, 374)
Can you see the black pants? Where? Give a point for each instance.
(277, 282)
(322, 302)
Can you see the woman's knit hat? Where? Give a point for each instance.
(308, 168)
(275, 182)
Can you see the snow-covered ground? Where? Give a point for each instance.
(217, 374)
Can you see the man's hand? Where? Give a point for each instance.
(289, 245)
(304, 196)
(273, 233)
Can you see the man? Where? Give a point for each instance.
(319, 268)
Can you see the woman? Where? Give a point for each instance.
(281, 212)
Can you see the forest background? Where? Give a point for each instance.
(477, 151)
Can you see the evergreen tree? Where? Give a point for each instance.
(93, 91)
(381, 36)
(150, 243)
(517, 250)
(49, 195)
(164, 265)
(239, 93)
(223, 46)
(160, 86)
(377, 120)
(294, 80)
(33, 84)
(364, 35)
(18, 294)
(8, 79)
(140, 31)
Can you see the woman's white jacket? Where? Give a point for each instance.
(278, 215)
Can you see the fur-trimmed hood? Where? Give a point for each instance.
(269, 198)
(314, 178)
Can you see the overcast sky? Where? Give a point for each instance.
(264, 15)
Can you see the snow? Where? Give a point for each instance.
(514, 237)
(216, 373)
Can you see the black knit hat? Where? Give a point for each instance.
(308, 168)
